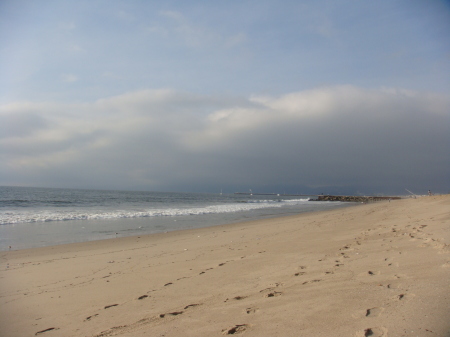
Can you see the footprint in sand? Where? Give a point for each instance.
(403, 297)
(369, 273)
(393, 285)
(437, 244)
(272, 287)
(400, 276)
(312, 281)
(374, 312)
(237, 298)
(251, 310)
(274, 294)
(372, 332)
(444, 249)
(301, 272)
(175, 313)
(42, 331)
(235, 330)
(205, 271)
(90, 317)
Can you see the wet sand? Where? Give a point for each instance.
(379, 269)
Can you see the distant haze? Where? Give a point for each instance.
(334, 97)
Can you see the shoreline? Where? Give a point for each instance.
(56, 233)
(377, 269)
(94, 244)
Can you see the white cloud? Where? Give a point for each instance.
(69, 78)
(194, 34)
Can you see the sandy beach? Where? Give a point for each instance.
(378, 269)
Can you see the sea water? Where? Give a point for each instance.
(36, 217)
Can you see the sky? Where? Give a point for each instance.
(277, 96)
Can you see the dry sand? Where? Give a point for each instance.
(378, 269)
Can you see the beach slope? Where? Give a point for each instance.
(379, 269)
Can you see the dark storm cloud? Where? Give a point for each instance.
(343, 137)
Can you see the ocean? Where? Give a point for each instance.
(38, 217)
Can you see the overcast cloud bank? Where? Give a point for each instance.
(340, 139)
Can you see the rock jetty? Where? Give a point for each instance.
(351, 198)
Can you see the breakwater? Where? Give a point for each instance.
(321, 197)
(352, 198)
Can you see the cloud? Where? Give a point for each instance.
(69, 78)
(192, 34)
(21, 121)
(341, 138)
(177, 25)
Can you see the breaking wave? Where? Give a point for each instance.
(28, 216)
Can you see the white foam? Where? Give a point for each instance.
(15, 217)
